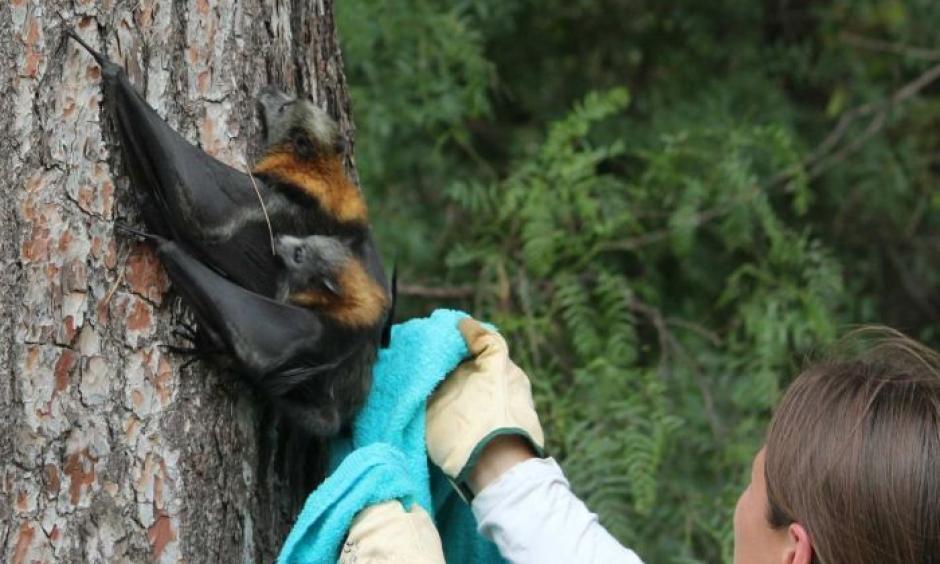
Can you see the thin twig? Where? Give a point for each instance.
(650, 237)
(877, 122)
(118, 280)
(669, 341)
(709, 335)
(918, 216)
(655, 317)
(264, 210)
(882, 46)
(711, 414)
(525, 303)
(440, 292)
(874, 126)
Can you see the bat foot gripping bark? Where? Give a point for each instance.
(133, 231)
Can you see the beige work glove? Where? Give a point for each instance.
(387, 534)
(484, 397)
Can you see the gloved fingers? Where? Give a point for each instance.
(388, 534)
(482, 343)
(427, 539)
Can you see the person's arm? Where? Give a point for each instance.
(483, 432)
(499, 455)
(525, 506)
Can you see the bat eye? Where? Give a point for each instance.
(299, 254)
(304, 147)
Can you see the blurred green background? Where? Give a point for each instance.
(666, 206)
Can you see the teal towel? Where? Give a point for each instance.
(387, 458)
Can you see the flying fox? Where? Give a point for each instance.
(279, 266)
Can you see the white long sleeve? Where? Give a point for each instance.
(533, 517)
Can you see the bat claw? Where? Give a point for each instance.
(192, 351)
(108, 67)
(101, 59)
(186, 332)
(190, 362)
(133, 231)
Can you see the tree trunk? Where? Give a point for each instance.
(110, 449)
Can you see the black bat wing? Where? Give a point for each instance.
(185, 194)
(277, 345)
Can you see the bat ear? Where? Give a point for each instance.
(341, 145)
(350, 242)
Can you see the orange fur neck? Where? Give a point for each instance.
(359, 304)
(324, 180)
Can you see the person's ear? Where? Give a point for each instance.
(799, 547)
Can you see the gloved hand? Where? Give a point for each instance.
(485, 397)
(385, 533)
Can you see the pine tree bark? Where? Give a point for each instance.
(111, 450)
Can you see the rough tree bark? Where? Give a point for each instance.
(109, 449)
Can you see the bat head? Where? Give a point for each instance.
(297, 125)
(315, 261)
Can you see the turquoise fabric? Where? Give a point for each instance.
(386, 458)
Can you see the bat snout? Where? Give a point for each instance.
(290, 250)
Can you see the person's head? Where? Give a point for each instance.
(850, 473)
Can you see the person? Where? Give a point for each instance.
(849, 473)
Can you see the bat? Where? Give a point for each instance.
(279, 267)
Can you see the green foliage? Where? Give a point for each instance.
(416, 77)
(661, 262)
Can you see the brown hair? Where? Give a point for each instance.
(853, 453)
